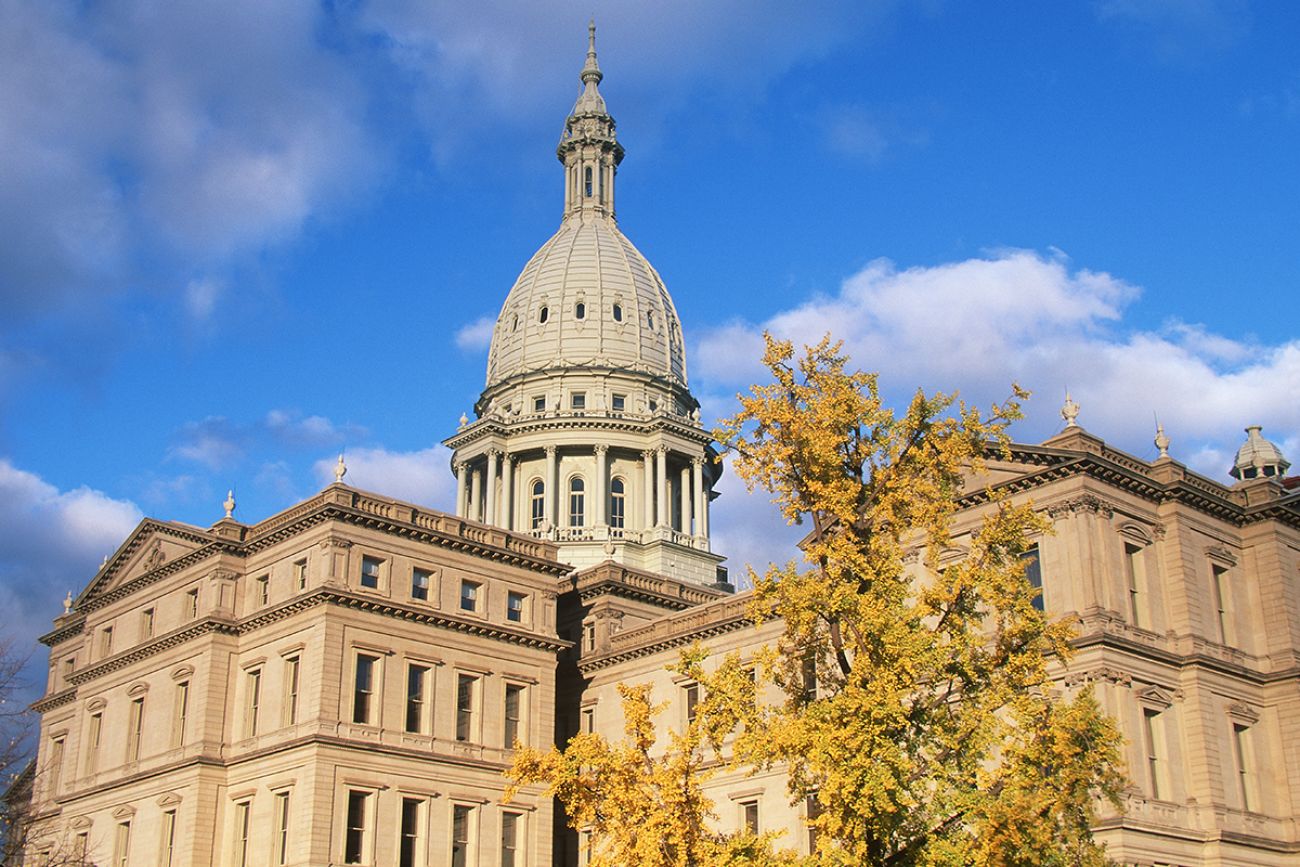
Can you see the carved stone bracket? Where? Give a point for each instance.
(1101, 674)
(1082, 503)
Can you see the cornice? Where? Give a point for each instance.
(59, 634)
(588, 420)
(616, 579)
(674, 630)
(55, 699)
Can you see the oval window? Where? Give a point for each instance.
(618, 312)
(580, 311)
(543, 315)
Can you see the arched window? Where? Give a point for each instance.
(618, 312)
(514, 326)
(617, 504)
(580, 311)
(537, 504)
(588, 182)
(577, 502)
(543, 315)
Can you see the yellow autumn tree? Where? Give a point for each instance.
(919, 715)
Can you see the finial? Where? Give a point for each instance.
(104, 562)
(591, 73)
(464, 419)
(340, 469)
(229, 504)
(1070, 411)
(67, 603)
(1162, 441)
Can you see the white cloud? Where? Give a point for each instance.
(979, 324)
(749, 530)
(201, 297)
(422, 477)
(477, 335)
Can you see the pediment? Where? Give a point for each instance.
(1156, 697)
(151, 546)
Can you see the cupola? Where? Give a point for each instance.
(1258, 458)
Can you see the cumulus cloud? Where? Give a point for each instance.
(978, 325)
(477, 335)
(422, 477)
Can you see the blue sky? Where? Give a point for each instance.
(240, 237)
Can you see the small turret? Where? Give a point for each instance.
(1258, 458)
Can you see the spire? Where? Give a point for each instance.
(588, 148)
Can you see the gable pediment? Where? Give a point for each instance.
(151, 546)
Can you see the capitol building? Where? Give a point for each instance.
(343, 682)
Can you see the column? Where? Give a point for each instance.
(684, 498)
(476, 495)
(648, 520)
(462, 472)
(697, 473)
(601, 493)
(552, 486)
(507, 492)
(490, 500)
(661, 486)
(704, 513)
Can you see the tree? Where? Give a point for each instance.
(921, 715)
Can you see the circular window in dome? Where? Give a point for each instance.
(543, 315)
(580, 311)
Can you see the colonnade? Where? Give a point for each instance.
(479, 497)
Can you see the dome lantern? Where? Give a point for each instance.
(1258, 458)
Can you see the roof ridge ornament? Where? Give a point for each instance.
(1162, 440)
(1070, 411)
(340, 470)
(229, 504)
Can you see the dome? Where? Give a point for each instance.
(1258, 458)
(589, 299)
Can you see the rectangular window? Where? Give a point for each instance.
(181, 712)
(69, 666)
(54, 768)
(252, 701)
(588, 720)
(588, 636)
(135, 730)
(370, 572)
(1135, 573)
(691, 696)
(516, 604)
(410, 842)
(122, 844)
(417, 684)
(168, 842)
(356, 837)
(280, 840)
(1242, 755)
(619, 402)
(539, 404)
(106, 641)
(420, 580)
(1219, 577)
(146, 624)
(93, 738)
(1034, 575)
(292, 677)
(81, 846)
(1152, 744)
(813, 810)
(513, 711)
(363, 693)
(578, 400)
(263, 589)
(192, 604)
(510, 823)
(465, 687)
(460, 835)
(749, 816)
(243, 821)
(300, 574)
(469, 596)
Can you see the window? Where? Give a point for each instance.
(146, 623)
(578, 400)
(263, 589)
(580, 311)
(1218, 577)
(516, 606)
(539, 404)
(69, 666)
(514, 323)
(420, 579)
(1034, 575)
(1152, 744)
(588, 720)
(543, 315)
(356, 837)
(1242, 756)
(1135, 573)
(54, 767)
(650, 319)
(168, 842)
(280, 839)
(243, 822)
(577, 502)
(135, 730)
(469, 595)
(122, 844)
(618, 503)
(586, 183)
(537, 505)
(106, 641)
(93, 738)
(300, 574)
(180, 713)
(510, 823)
(460, 835)
(691, 696)
(417, 684)
(81, 846)
(409, 844)
(813, 810)
(618, 402)
(370, 572)
(192, 603)
(252, 700)
(466, 684)
(292, 676)
(513, 711)
(808, 670)
(364, 689)
(618, 312)
(588, 636)
(749, 816)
